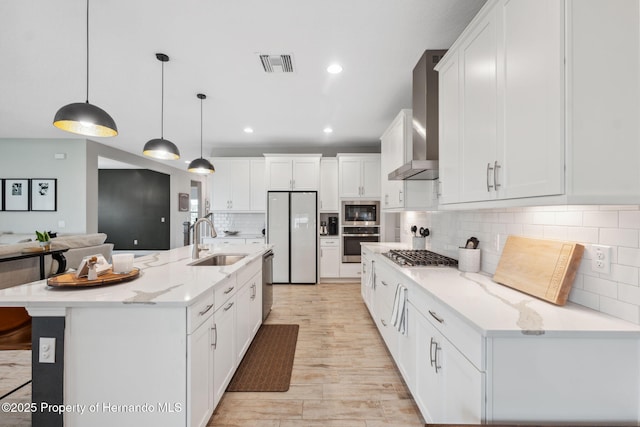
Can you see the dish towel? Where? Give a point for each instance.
(371, 281)
(399, 314)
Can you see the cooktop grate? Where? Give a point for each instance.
(419, 258)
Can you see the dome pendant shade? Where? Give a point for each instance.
(85, 119)
(201, 165)
(162, 149)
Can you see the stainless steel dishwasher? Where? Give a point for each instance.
(267, 284)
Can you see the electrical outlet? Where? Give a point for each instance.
(601, 259)
(47, 350)
(135, 242)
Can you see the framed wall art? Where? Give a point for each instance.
(16, 194)
(44, 194)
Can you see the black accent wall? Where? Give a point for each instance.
(131, 205)
(48, 378)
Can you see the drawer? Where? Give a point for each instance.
(224, 290)
(248, 271)
(329, 243)
(465, 338)
(257, 241)
(198, 312)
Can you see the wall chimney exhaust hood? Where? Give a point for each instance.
(424, 163)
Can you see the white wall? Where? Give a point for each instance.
(77, 178)
(27, 158)
(617, 293)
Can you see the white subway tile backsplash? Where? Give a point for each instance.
(620, 309)
(629, 219)
(582, 297)
(600, 286)
(600, 219)
(616, 293)
(629, 256)
(619, 237)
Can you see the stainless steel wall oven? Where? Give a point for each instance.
(353, 236)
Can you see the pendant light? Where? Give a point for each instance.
(201, 165)
(84, 118)
(161, 148)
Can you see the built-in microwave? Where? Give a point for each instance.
(360, 212)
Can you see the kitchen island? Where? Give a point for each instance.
(473, 351)
(158, 350)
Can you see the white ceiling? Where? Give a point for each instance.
(214, 46)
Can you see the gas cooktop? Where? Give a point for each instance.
(420, 258)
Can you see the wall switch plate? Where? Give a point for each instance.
(47, 350)
(135, 242)
(601, 259)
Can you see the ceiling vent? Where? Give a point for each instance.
(277, 63)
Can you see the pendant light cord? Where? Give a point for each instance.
(162, 106)
(200, 127)
(87, 101)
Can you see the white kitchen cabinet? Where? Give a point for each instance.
(292, 172)
(395, 150)
(258, 187)
(329, 258)
(232, 185)
(248, 314)
(200, 355)
(448, 388)
(467, 365)
(200, 373)
(367, 269)
(224, 362)
(329, 201)
(533, 106)
(359, 176)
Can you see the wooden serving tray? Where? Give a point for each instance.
(542, 268)
(109, 278)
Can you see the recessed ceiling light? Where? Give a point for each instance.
(334, 69)
(248, 130)
(327, 130)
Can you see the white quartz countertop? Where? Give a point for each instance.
(166, 279)
(221, 235)
(494, 309)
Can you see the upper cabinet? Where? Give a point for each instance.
(359, 176)
(513, 104)
(329, 201)
(231, 185)
(292, 172)
(396, 149)
(258, 187)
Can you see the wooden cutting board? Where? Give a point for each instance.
(542, 268)
(69, 280)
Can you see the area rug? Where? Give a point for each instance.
(268, 363)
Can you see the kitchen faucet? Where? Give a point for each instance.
(195, 254)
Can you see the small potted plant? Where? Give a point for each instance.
(44, 240)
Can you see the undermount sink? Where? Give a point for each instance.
(220, 259)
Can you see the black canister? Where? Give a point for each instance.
(333, 225)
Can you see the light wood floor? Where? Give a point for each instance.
(342, 374)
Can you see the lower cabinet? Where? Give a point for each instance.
(448, 388)
(248, 314)
(224, 362)
(200, 373)
(329, 258)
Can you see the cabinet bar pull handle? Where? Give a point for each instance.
(431, 351)
(229, 290)
(228, 307)
(214, 344)
(439, 192)
(384, 283)
(383, 323)
(209, 307)
(495, 174)
(400, 196)
(436, 357)
(435, 316)
(489, 169)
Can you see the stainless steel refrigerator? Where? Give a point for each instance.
(293, 232)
